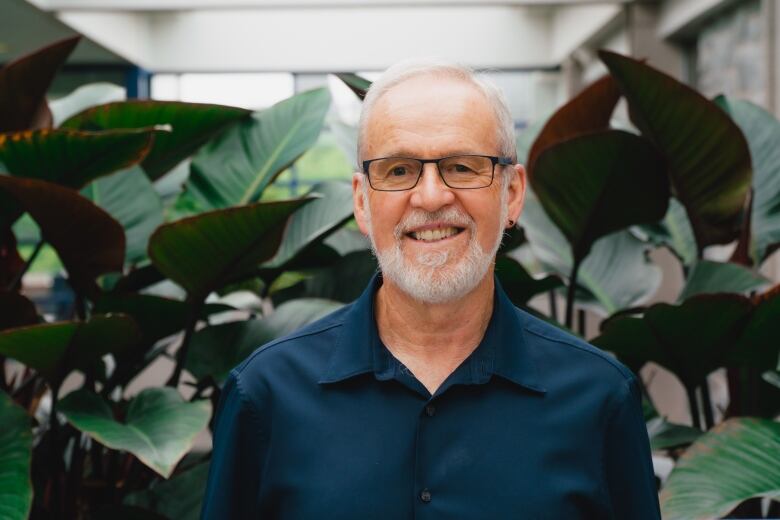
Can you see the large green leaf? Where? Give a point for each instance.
(347, 240)
(665, 435)
(691, 340)
(519, 285)
(736, 460)
(762, 131)
(146, 310)
(758, 346)
(73, 158)
(159, 427)
(88, 241)
(23, 86)
(706, 154)
(346, 138)
(193, 124)
(707, 277)
(315, 221)
(203, 252)
(342, 280)
(236, 167)
(11, 262)
(617, 272)
(178, 498)
(53, 349)
(16, 310)
(84, 97)
(16, 489)
(139, 215)
(357, 84)
(587, 112)
(673, 232)
(599, 183)
(217, 349)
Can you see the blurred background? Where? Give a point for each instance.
(254, 54)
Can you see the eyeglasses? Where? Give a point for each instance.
(466, 172)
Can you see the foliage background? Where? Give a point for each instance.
(203, 272)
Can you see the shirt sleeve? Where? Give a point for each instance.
(233, 486)
(628, 462)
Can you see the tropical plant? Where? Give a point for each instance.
(192, 275)
(690, 173)
(80, 441)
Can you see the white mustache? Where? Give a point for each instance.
(417, 218)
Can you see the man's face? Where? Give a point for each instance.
(437, 236)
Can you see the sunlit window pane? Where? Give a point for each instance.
(247, 90)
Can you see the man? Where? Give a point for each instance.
(432, 396)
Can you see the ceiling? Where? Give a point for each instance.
(307, 35)
(24, 28)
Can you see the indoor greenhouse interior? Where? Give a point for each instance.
(183, 182)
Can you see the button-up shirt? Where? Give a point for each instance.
(326, 423)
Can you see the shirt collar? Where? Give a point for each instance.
(503, 350)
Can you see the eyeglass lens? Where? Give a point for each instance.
(399, 173)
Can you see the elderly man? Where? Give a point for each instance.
(432, 396)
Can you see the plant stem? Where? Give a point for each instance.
(4, 385)
(774, 509)
(693, 404)
(581, 325)
(181, 355)
(80, 307)
(74, 477)
(570, 293)
(706, 402)
(553, 304)
(18, 278)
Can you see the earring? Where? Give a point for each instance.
(511, 222)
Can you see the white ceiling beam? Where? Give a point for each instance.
(177, 5)
(334, 35)
(573, 26)
(676, 16)
(126, 34)
(325, 40)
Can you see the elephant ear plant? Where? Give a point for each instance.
(79, 438)
(691, 173)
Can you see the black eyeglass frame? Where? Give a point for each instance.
(503, 161)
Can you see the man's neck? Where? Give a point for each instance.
(433, 339)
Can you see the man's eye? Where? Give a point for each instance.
(398, 171)
(462, 168)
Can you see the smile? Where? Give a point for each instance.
(433, 235)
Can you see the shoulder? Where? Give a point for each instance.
(558, 350)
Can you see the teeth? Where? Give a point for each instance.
(430, 235)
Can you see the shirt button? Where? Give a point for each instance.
(430, 410)
(425, 495)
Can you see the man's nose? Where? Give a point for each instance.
(431, 193)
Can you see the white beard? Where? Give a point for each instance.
(428, 278)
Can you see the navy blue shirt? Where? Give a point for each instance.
(326, 423)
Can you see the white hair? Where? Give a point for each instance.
(409, 69)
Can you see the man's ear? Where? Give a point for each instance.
(359, 206)
(516, 195)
